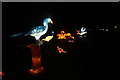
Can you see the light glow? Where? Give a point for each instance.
(36, 59)
(82, 31)
(37, 31)
(2, 74)
(60, 50)
(106, 29)
(71, 41)
(78, 32)
(115, 27)
(48, 38)
(51, 22)
(63, 35)
(62, 31)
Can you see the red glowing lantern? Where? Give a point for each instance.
(2, 74)
(36, 59)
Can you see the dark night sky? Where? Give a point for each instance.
(21, 16)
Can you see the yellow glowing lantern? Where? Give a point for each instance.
(48, 38)
(61, 36)
(62, 31)
(68, 34)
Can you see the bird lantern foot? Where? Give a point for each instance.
(39, 42)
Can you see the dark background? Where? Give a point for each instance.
(86, 58)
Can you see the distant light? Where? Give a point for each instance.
(72, 37)
(83, 29)
(52, 32)
(81, 36)
(78, 32)
(115, 26)
(103, 29)
(2, 74)
(71, 41)
(85, 35)
(106, 29)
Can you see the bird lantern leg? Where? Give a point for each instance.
(36, 59)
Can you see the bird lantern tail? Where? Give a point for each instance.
(18, 34)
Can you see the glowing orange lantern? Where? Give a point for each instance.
(72, 37)
(63, 36)
(61, 50)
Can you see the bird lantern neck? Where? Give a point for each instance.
(46, 21)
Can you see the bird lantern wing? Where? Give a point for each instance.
(34, 30)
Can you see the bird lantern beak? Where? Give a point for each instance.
(51, 22)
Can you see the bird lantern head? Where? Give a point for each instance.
(48, 20)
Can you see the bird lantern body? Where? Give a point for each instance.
(36, 32)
